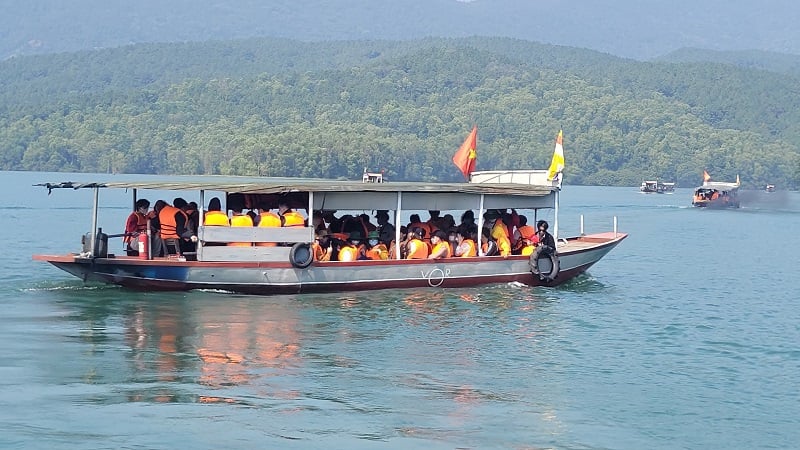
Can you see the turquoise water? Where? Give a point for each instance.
(684, 336)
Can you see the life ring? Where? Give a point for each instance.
(301, 255)
(542, 252)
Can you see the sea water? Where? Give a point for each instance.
(684, 336)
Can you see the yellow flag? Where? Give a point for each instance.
(557, 165)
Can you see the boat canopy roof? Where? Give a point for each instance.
(339, 194)
(718, 186)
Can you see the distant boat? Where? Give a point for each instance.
(770, 188)
(656, 187)
(716, 194)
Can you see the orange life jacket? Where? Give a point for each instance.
(348, 252)
(241, 220)
(417, 249)
(526, 231)
(166, 218)
(378, 252)
(293, 219)
(442, 244)
(320, 253)
(216, 219)
(503, 246)
(139, 227)
(268, 219)
(468, 249)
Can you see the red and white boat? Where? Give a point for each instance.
(290, 268)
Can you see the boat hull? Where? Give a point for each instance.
(282, 278)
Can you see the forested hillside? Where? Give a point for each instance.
(285, 108)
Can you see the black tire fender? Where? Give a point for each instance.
(545, 252)
(301, 255)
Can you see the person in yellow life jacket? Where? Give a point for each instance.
(135, 225)
(238, 218)
(268, 219)
(416, 247)
(377, 250)
(349, 251)
(215, 217)
(289, 217)
(466, 247)
(441, 246)
(321, 248)
(173, 227)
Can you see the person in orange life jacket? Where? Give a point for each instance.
(524, 234)
(386, 231)
(441, 246)
(434, 221)
(402, 245)
(466, 247)
(545, 238)
(289, 217)
(321, 248)
(238, 218)
(376, 250)
(415, 222)
(173, 223)
(268, 219)
(136, 224)
(351, 249)
(488, 245)
(416, 247)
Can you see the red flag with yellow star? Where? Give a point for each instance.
(464, 158)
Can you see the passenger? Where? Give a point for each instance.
(467, 219)
(488, 245)
(366, 225)
(238, 218)
(466, 245)
(348, 251)
(415, 222)
(268, 219)
(441, 246)
(545, 239)
(322, 246)
(215, 217)
(416, 246)
(318, 221)
(434, 222)
(156, 243)
(290, 218)
(377, 250)
(523, 231)
(357, 239)
(173, 228)
(448, 223)
(191, 226)
(385, 229)
(135, 225)
(402, 245)
(193, 214)
(526, 243)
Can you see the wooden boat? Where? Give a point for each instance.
(656, 187)
(289, 267)
(716, 194)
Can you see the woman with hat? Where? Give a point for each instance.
(376, 249)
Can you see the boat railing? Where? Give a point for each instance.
(224, 235)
